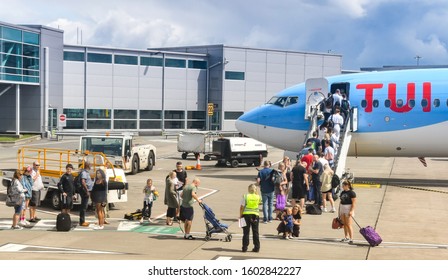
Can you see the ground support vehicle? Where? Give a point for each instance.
(122, 151)
(196, 142)
(237, 150)
(53, 162)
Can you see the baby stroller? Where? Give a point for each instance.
(212, 225)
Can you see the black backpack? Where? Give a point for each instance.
(329, 102)
(335, 181)
(344, 105)
(78, 182)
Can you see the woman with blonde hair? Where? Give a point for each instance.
(327, 191)
(99, 196)
(250, 212)
(347, 210)
(18, 191)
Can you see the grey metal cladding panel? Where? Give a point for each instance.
(73, 67)
(295, 59)
(150, 72)
(275, 77)
(173, 104)
(276, 68)
(313, 72)
(257, 67)
(99, 91)
(175, 84)
(100, 80)
(255, 56)
(256, 86)
(276, 57)
(125, 70)
(150, 84)
(234, 54)
(235, 65)
(125, 103)
(235, 96)
(331, 71)
(73, 79)
(175, 73)
(255, 76)
(73, 101)
(332, 61)
(273, 89)
(234, 86)
(128, 92)
(232, 105)
(253, 104)
(314, 60)
(99, 69)
(130, 82)
(96, 102)
(150, 104)
(228, 125)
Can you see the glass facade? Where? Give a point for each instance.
(99, 57)
(151, 61)
(19, 55)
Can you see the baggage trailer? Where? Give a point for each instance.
(53, 162)
(237, 150)
(196, 142)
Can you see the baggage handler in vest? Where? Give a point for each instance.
(250, 212)
(189, 195)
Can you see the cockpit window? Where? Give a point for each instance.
(283, 101)
(291, 100)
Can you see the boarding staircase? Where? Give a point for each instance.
(345, 138)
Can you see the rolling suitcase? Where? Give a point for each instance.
(63, 222)
(370, 235)
(313, 209)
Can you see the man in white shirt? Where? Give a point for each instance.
(35, 193)
(338, 121)
(329, 153)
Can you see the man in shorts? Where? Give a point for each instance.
(189, 195)
(35, 193)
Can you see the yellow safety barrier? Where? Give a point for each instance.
(53, 161)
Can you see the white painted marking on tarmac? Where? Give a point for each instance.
(23, 248)
(127, 226)
(48, 143)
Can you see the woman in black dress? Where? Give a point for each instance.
(99, 196)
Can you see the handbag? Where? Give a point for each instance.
(13, 200)
(337, 223)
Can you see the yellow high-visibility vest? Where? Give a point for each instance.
(252, 201)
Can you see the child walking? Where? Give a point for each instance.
(151, 195)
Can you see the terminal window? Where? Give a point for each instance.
(126, 59)
(99, 57)
(151, 61)
(197, 64)
(176, 63)
(233, 75)
(74, 56)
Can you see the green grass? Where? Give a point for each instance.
(14, 138)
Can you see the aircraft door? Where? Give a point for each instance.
(316, 91)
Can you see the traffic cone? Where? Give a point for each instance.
(198, 163)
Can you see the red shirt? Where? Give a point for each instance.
(308, 159)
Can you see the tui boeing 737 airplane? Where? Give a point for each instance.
(401, 113)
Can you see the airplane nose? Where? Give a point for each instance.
(247, 125)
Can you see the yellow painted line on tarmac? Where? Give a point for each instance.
(376, 186)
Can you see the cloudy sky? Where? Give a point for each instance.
(365, 32)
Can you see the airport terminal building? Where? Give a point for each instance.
(46, 84)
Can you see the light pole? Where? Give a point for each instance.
(417, 57)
